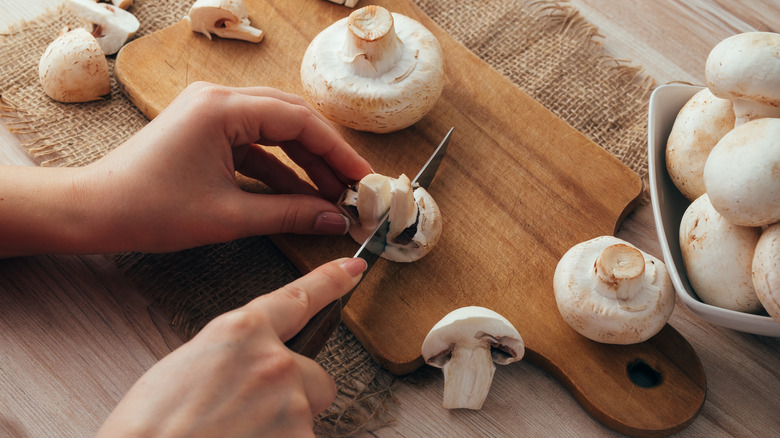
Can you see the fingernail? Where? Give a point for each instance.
(354, 266)
(331, 223)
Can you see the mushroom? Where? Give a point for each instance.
(347, 3)
(373, 71)
(718, 256)
(465, 344)
(701, 122)
(741, 174)
(766, 270)
(746, 69)
(611, 292)
(224, 18)
(111, 26)
(73, 68)
(414, 218)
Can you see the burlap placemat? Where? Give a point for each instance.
(545, 47)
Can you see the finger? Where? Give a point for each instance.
(261, 214)
(317, 169)
(281, 95)
(290, 307)
(318, 385)
(255, 162)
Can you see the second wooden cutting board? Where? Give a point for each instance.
(516, 190)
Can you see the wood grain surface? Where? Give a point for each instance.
(60, 377)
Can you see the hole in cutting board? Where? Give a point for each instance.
(642, 374)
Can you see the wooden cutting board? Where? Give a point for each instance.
(518, 188)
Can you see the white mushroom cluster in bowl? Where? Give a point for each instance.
(713, 155)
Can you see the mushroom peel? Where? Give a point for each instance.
(414, 218)
(111, 26)
(611, 292)
(718, 256)
(224, 18)
(698, 127)
(373, 71)
(742, 174)
(746, 69)
(766, 270)
(465, 344)
(73, 68)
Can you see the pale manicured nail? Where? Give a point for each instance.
(331, 223)
(354, 266)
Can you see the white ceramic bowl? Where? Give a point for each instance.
(668, 207)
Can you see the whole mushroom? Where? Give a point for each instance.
(766, 270)
(611, 292)
(373, 71)
(73, 68)
(110, 25)
(465, 344)
(746, 69)
(224, 18)
(718, 257)
(742, 174)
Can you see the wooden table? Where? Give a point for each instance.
(74, 335)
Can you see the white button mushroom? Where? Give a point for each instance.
(746, 69)
(465, 344)
(415, 219)
(718, 256)
(742, 174)
(699, 125)
(111, 26)
(611, 292)
(224, 18)
(373, 71)
(766, 270)
(73, 68)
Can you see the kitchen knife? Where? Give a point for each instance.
(310, 340)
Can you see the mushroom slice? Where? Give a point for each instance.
(73, 68)
(766, 270)
(224, 18)
(746, 69)
(465, 344)
(403, 209)
(111, 26)
(718, 256)
(611, 292)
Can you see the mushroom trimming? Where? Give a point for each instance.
(373, 71)
(465, 343)
(414, 218)
(224, 18)
(611, 292)
(110, 25)
(73, 68)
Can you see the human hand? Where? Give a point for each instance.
(236, 378)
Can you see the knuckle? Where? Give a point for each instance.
(290, 218)
(297, 295)
(237, 323)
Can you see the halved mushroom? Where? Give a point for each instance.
(611, 292)
(111, 26)
(224, 18)
(766, 270)
(73, 68)
(465, 344)
(373, 71)
(415, 219)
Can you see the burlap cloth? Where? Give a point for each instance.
(545, 47)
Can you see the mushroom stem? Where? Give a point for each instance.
(468, 376)
(620, 268)
(372, 46)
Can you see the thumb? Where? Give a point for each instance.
(297, 214)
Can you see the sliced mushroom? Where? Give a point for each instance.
(718, 256)
(699, 125)
(415, 219)
(465, 344)
(611, 292)
(224, 18)
(373, 71)
(742, 174)
(111, 26)
(746, 69)
(73, 68)
(766, 270)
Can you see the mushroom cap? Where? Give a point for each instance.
(699, 125)
(746, 68)
(718, 255)
(395, 89)
(766, 270)
(741, 174)
(631, 305)
(224, 18)
(113, 26)
(473, 325)
(73, 68)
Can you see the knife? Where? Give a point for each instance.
(310, 340)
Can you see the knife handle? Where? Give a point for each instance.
(315, 334)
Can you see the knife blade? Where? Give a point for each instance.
(315, 334)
